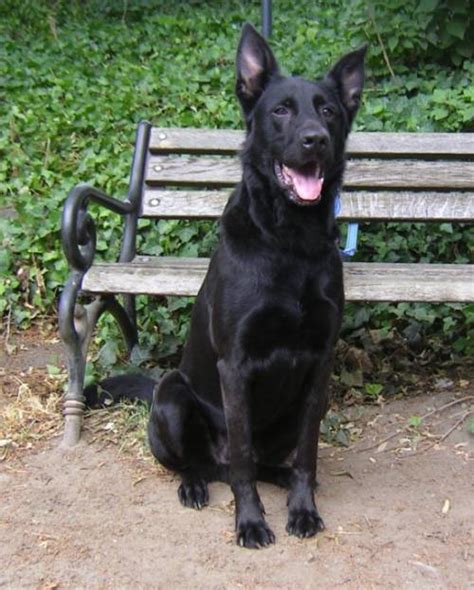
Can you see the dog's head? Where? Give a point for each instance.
(297, 128)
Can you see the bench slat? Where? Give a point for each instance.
(363, 281)
(212, 141)
(380, 206)
(368, 174)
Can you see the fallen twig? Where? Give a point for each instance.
(448, 418)
(377, 444)
(458, 423)
(435, 411)
(448, 405)
(441, 438)
(139, 480)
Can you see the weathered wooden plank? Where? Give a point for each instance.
(380, 144)
(403, 174)
(192, 140)
(361, 205)
(363, 281)
(409, 282)
(147, 275)
(175, 204)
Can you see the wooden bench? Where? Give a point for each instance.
(188, 174)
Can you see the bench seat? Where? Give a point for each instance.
(363, 281)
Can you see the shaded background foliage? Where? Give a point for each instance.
(77, 76)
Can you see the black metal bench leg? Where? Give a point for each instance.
(130, 308)
(76, 326)
(72, 330)
(125, 317)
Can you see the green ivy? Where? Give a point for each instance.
(77, 76)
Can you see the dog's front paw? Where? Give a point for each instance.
(304, 523)
(193, 493)
(254, 534)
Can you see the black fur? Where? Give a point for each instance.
(252, 387)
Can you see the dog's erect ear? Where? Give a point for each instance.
(348, 76)
(256, 64)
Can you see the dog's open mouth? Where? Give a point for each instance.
(304, 185)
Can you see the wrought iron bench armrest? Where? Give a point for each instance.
(78, 232)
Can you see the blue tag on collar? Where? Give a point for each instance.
(352, 230)
(351, 239)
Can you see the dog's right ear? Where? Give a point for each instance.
(256, 65)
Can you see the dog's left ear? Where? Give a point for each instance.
(256, 65)
(348, 76)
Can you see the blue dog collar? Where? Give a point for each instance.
(352, 230)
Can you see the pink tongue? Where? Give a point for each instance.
(307, 186)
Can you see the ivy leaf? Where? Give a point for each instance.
(108, 354)
(457, 28)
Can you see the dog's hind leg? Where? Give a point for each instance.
(179, 438)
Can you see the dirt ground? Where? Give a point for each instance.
(398, 511)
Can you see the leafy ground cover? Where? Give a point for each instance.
(78, 76)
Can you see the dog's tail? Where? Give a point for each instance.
(114, 389)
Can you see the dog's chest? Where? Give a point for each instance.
(293, 316)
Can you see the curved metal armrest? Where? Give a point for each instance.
(78, 232)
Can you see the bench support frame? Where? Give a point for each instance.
(77, 321)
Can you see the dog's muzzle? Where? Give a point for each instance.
(304, 185)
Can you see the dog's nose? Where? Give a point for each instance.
(311, 139)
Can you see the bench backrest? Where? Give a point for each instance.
(189, 173)
(389, 176)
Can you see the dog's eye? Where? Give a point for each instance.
(327, 112)
(281, 111)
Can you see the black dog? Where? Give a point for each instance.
(252, 386)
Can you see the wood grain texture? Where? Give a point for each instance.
(225, 141)
(363, 281)
(360, 205)
(369, 174)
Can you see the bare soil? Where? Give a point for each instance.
(399, 513)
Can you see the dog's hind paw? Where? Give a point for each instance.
(193, 493)
(254, 535)
(304, 523)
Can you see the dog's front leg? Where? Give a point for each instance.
(303, 516)
(252, 530)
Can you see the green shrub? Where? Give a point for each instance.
(78, 76)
